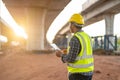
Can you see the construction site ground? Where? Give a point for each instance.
(17, 64)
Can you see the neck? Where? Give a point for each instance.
(77, 30)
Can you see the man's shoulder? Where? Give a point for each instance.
(74, 38)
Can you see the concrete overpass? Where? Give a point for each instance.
(35, 16)
(96, 10)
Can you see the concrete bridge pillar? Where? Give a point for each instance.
(109, 22)
(35, 30)
(109, 38)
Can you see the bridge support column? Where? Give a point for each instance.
(35, 30)
(109, 38)
(109, 22)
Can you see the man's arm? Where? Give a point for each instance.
(75, 48)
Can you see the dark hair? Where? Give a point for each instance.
(78, 26)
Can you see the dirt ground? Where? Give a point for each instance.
(20, 65)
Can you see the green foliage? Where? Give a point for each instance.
(118, 41)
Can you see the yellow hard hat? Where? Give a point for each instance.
(77, 18)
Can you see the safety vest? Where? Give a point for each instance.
(84, 60)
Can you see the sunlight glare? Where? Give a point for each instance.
(3, 38)
(8, 20)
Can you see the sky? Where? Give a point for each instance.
(98, 28)
(75, 6)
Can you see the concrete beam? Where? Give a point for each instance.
(18, 3)
(48, 4)
(100, 10)
(90, 4)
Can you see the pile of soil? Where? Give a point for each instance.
(21, 65)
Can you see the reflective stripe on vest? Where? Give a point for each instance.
(80, 65)
(83, 56)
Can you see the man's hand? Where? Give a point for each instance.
(64, 51)
(58, 53)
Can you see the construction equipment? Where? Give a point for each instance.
(106, 42)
